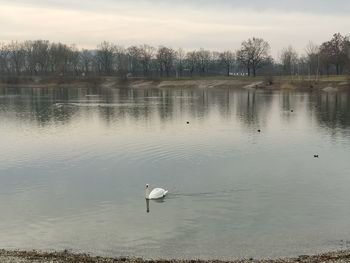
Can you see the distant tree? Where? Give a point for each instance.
(313, 59)
(335, 51)
(134, 54)
(303, 65)
(325, 58)
(215, 64)
(203, 60)
(86, 60)
(289, 60)
(121, 61)
(59, 58)
(192, 61)
(268, 68)
(17, 57)
(253, 53)
(74, 60)
(146, 56)
(165, 57)
(37, 56)
(180, 56)
(347, 51)
(105, 56)
(227, 58)
(4, 59)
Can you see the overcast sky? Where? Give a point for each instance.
(191, 24)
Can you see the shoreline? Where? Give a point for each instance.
(329, 84)
(34, 256)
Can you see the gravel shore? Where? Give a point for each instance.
(62, 257)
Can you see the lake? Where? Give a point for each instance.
(74, 163)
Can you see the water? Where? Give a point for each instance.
(74, 164)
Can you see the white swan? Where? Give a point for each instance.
(156, 193)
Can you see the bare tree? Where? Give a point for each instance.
(146, 55)
(134, 54)
(17, 57)
(59, 58)
(192, 61)
(347, 51)
(203, 60)
(325, 58)
(74, 60)
(121, 61)
(86, 61)
(227, 58)
(105, 57)
(165, 57)
(253, 53)
(4, 58)
(289, 60)
(335, 51)
(242, 57)
(37, 54)
(313, 55)
(180, 57)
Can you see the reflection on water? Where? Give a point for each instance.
(148, 201)
(45, 106)
(74, 162)
(147, 205)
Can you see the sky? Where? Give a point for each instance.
(190, 24)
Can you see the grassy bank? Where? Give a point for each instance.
(63, 257)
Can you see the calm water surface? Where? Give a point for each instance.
(74, 164)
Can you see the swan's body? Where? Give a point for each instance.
(156, 193)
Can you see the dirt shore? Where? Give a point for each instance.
(258, 83)
(65, 256)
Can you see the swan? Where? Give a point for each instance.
(156, 193)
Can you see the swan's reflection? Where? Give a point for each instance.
(156, 200)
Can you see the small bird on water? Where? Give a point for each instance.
(259, 130)
(316, 156)
(188, 122)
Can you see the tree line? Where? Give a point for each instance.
(42, 58)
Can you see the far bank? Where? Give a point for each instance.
(301, 83)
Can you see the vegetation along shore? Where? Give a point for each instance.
(21, 60)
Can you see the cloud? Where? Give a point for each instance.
(335, 7)
(189, 24)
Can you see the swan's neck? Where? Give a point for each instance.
(147, 193)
